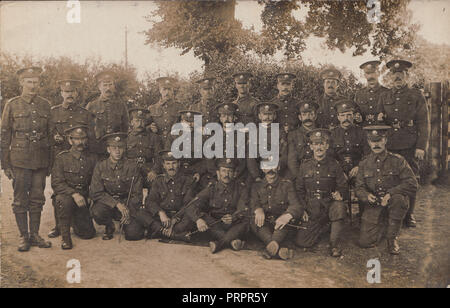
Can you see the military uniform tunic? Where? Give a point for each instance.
(206, 109)
(25, 148)
(275, 199)
(287, 114)
(246, 110)
(382, 174)
(298, 149)
(316, 182)
(367, 101)
(110, 116)
(326, 115)
(72, 173)
(164, 115)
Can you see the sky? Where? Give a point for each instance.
(40, 29)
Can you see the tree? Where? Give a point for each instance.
(209, 28)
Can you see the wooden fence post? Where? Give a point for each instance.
(435, 132)
(445, 127)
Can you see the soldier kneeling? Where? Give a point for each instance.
(71, 176)
(275, 204)
(222, 207)
(320, 185)
(384, 184)
(116, 189)
(164, 211)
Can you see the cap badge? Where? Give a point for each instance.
(117, 139)
(226, 107)
(286, 76)
(79, 130)
(167, 81)
(266, 107)
(188, 114)
(375, 133)
(318, 134)
(139, 112)
(306, 105)
(68, 83)
(228, 161)
(369, 66)
(170, 154)
(397, 65)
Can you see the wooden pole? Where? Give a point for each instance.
(445, 127)
(435, 136)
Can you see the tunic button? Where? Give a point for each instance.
(378, 170)
(396, 109)
(370, 107)
(318, 182)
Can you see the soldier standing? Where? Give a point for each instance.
(221, 208)
(366, 99)
(64, 116)
(275, 204)
(143, 146)
(164, 214)
(71, 176)
(384, 184)
(286, 102)
(327, 112)
(116, 189)
(207, 99)
(405, 110)
(298, 143)
(26, 153)
(164, 113)
(110, 115)
(245, 100)
(321, 185)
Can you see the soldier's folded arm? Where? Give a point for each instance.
(408, 184)
(6, 135)
(58, 181)
(295, 207)
(97, 190)
(153, 200)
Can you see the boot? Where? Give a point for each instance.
(109, 232)
(56, 230)
(35, 239)
(182, 237)
(66, 240)
(410, 220)
(335, 252)
(237, 245)
(22, 224)
(393, 247)
(286, 253)
(272, 248)
(335, 235)
(214, 247)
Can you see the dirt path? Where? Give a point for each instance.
(424, 262)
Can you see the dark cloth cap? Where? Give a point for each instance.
(115, 139)
(398, 65)
(376, 132)
(29, 72)
(78, 131)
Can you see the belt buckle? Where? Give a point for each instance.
(33, 136)
(317, 195)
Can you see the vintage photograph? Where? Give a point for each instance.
(225, 144)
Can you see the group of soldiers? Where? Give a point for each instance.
(103, 157)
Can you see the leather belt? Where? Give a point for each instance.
(33, 136)
(320, 194)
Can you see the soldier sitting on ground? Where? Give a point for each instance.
(274, 204)
(222, 207)
(164, 211)
(71, 176)
(116, 189)
(384, 184)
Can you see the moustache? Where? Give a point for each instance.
(307, 121)
(371, 79)
(377, 148)
(347, 121)
(398, 79)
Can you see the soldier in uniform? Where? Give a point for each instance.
(321, 185)
(222, 207)
(110, 114)
(366, 99)
(245, 100)
(64, 116)
(143, 146)
(267, 113)
(275, 204)
(71, 176)
(164, 214)
(207, 99)
(298, 143)
(116, 189)
(327, 112)
(164, 113)
(288, 104)
(405, 110)
(385, 183)
(25, 155)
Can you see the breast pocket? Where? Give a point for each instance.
(42, 119)
(369, 177)
(390, 178)
(21, 120)
(72, 173)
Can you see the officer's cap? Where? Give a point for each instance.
(344, 105)
(319, 135)
(376, 132)
(226, 108)
(107, 76)
(226, 163)
(370, 66)
(78, 131)
(307, 106)
(331, 73)
(166, 82)
(266, 108)
(242, 77)
(398, 65)
(285, 77)
(138, 113)
(29, 72)
(115, 139)
(167, 155)
(206, 83)
(69, 84)
(188, 115)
